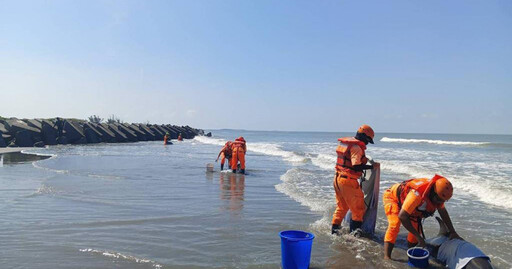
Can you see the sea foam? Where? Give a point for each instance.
(429, 141)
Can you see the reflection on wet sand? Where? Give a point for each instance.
(232, 189)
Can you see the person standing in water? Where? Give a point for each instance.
(180, 138)
(166, 138)
(349, 167)
(239, 149)
(225, 153)
(409, 202)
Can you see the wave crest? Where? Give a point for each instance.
(429, 141)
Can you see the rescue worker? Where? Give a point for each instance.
(409, 202)
(349, 167)
(225, 153)
(239, 149)
(180, 138)
(166, 138)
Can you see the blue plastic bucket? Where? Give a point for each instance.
(418, 257)
(296, 249)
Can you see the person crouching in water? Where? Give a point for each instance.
(239, 149)
(411, 201)
(349, 167)
(225, 153)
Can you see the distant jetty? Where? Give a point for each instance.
(41, 132)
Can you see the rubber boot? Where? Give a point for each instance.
(221, 167)
(234, 170)
(335, 229)
(242, 171)
(355, 228)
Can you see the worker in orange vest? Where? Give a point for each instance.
(239, 149)
(409, 202)
(349, 167)
(225, 153)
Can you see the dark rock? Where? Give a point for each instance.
(82, 140)
(209, 134)
(182, 131)
(13, 144)
(141, 136)
(92, 135)
(3, 128)
(73, 131)
(158, 133)
(161, 129)
(149, 134)
(2, 141)
(15, 125)
(62, 140)
(7, 138)
(132, 137)
(34, 123)
(172, 132)
(24, 138)
(120, 136)
(48, 133)
(107, 135)
(39, 144)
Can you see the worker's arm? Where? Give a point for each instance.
(362, 167)
(220, 152)
(448, 221)
(406, 221)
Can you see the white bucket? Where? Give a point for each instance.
(209, 167)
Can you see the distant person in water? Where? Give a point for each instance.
(167, 136)
(180, 138)
(409, 202)
(239, 149)
(349, 167)
(225, 153)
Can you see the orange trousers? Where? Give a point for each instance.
(238, 155)
(392, 209)
(348, 196)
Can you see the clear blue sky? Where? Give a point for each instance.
(400, 66)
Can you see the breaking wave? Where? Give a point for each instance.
(429, 141)
(463, 183)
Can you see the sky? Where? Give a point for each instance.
(399, 66)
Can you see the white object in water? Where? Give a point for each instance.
(1, 160)
(209, 167)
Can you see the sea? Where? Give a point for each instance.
(146, 205)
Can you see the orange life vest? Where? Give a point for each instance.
(238, 144)
(423, 187)
(344, 162)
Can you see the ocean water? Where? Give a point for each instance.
(146, 205)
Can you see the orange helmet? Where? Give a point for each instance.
(443, 188)
(368, 131)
